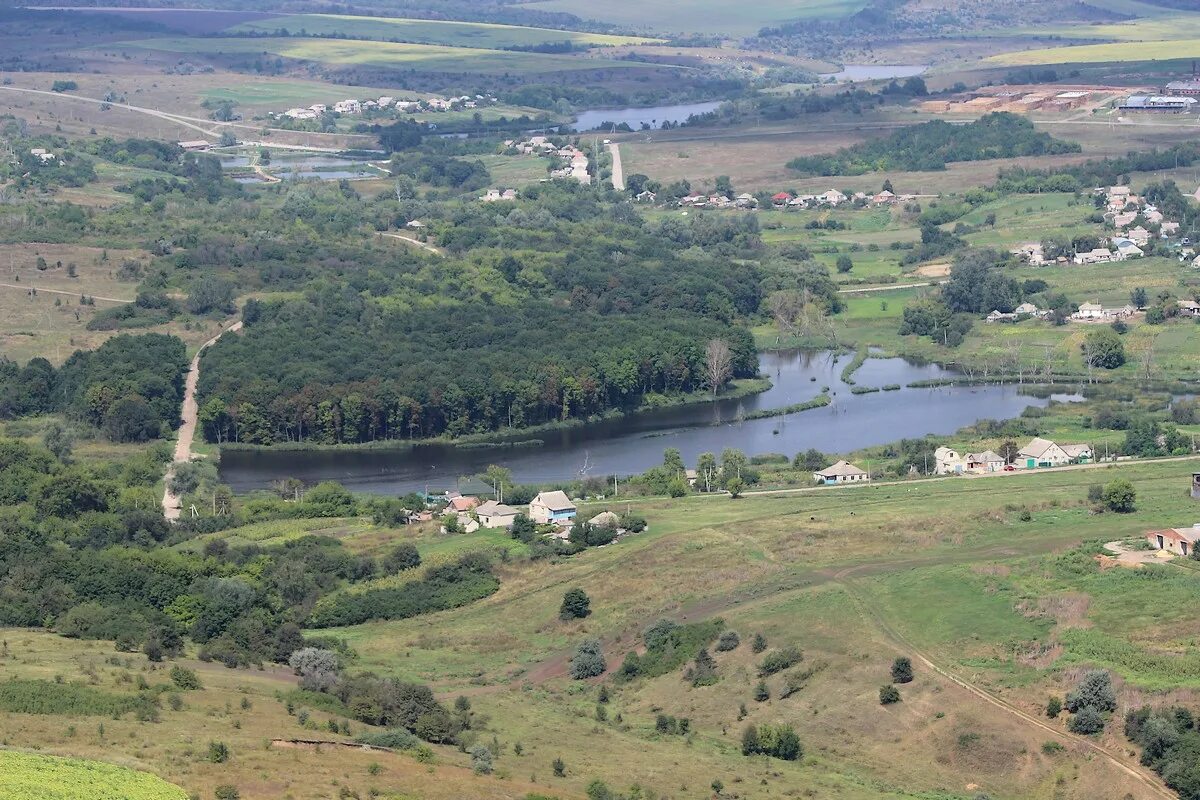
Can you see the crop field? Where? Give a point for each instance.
(51, 778)
(419, 57)
(1101, 53)
(423, 31)
(702, 16)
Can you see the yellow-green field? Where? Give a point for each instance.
(28, 775)
(425, 31)
(420, 57)
(702, 16)
(1102, 53)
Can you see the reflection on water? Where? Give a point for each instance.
(636, 442)
(634, 117)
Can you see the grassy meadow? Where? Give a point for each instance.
(417, 57)
(984, 577)
(50, 778)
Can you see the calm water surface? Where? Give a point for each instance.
(634, 443)
(634, 117)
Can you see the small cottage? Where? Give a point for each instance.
(841, 472)
(1179, 541)
(495, 515)
(552, 507)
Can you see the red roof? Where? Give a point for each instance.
(782, 196)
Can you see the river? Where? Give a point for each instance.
(633, 443)
(635, 117)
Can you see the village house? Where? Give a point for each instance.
(495, 515)
(1178, 541)
(1045, 453)
(605, 519)
(552, 507)
(987, 461)
(841, 472)
(1031, 253)
(1168, 229)
(1123, 219)
(1000, 316)
(781, 199)
(646, 196)
(462, 503)
(1189, 308)
(1139, 235)
(1089, 311)
(947, 461)
(746, 201)
(884, 198)
(1026, 309)
(833, 197)
(1100, 255)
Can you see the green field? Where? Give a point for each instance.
(284, 93)
(424, 31)
(703, 16)
(31, 776)
(419, 57)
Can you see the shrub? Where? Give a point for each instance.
(559, 767)
(1086, 722)
(779, 660)
(728, 641)
(227, 791)
(588, 661)
(1094, 690)
(761, 692)
(759, 643)
(575, 605)
(888, 694)
(902, 671)
(1053, 707)
(218, 752)
(1051, 748)
(1120, 496)
(481, 760)
(778, 741)
(395, 739)
(185, 678)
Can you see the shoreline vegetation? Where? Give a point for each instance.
(739, 388)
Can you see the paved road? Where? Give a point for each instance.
(26, 287)
(618, 172)
(187, 428)
(415, 243)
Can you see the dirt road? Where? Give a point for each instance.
(415, 243)
(187, 428)
(26, 288)
(889, 288)
(618, 172)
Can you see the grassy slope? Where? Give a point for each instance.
(423, 31)
(947, 563)
(1102, 53)
(420, 57)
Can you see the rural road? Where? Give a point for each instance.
(415, 243)
(890, 288)
(618, 172)
(26, 288)
(187, 428)
(211, 127)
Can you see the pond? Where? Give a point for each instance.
(633, 443)
(655, 116)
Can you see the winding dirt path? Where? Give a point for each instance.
(187, 429)
(415, 243)
(1148, 779)
(618, 171)
(26, 288)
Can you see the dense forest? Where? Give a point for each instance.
(130, 387)
(932, 145)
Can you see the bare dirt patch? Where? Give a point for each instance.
(933, 271)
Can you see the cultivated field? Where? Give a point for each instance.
(51, 778)
(1101, 53)
(423, 31)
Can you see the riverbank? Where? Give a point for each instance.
(505, 439)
